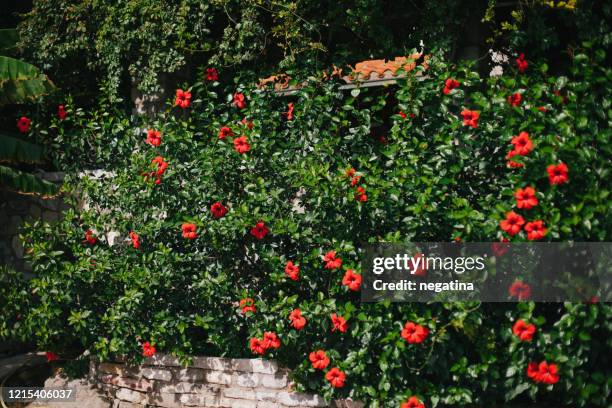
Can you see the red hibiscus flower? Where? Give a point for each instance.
(225, 131)
(257, 346)
(412, 402)
(23, 124)
(470, 118)
(247, 123)
(51, 356)
(526, 198)
(135, 239)
(352, 280)
(543, 372)
(338, 323)
(148, 350)
(523, 330)
(350, 172)
(297, 320)
(271, 340)
(154, 137)
(535, 230)
(260, 230)
(414, 333)
(319, 360)
(239, 100)
(189, 231)
(61, 112)
(542, 109)
(161, 165)
(241, 145)
(515, 99)
(336, 377)
(183, 99)
(500, 248)
(331, 261)
(161, 168)
(449, 85)
(522, 143)
(247, 305)
(402, 114)
(361, 195)
(292, 271)
(511, 163)
(212, 74)
(520, 290)
(289, 113)
(557, 173)
(90, 237)
(218, 210)
(355, 180)
(521, 63)
(512, 224)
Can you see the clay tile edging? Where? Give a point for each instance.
(376, 72)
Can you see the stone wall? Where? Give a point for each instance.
(15, 209)
(208, 382)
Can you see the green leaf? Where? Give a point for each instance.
(21, 82)
(13, 149)
(26, 183)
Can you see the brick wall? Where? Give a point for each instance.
(209, 382)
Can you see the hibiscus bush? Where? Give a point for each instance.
(235, 225)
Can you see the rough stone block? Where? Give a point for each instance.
(166, 400)
(154, 373)
(218, 377)
(278, 380)
(296, 399)
(162, 360)
(258, 394)
(128, 395)
(213, 363)
(189, 374)
(255, 365)
(246, 379)
(187, 387)
(237, 403)
(199, 400)
(126, 382)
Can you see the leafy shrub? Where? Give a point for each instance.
(175, 274)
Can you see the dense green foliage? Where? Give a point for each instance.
(430, 178)
(153, 42)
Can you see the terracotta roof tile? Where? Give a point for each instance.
(383, 69)
(376, 72)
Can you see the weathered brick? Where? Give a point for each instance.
(267, 404)
(189, 374)
(278, 380)
(125, 394)
(246, 379)
(154, 373)
(217, 377)
(296, 399)
(255, 365)
(127, 382)
(200, 400)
